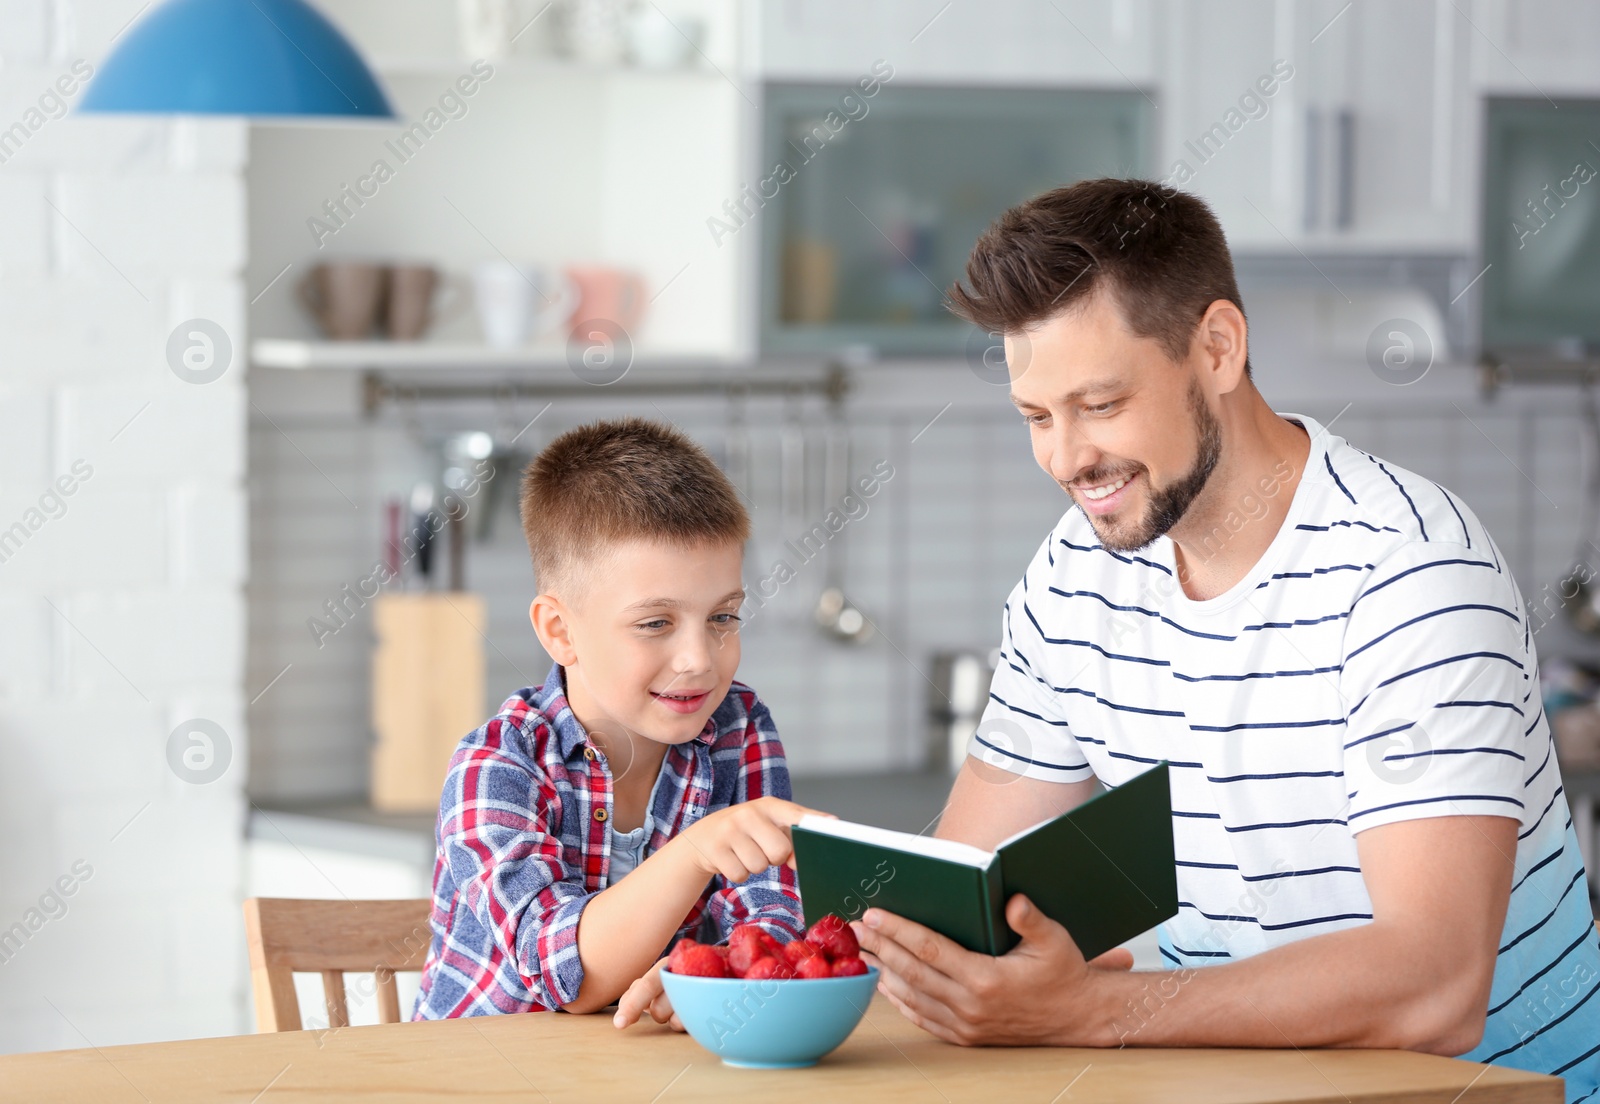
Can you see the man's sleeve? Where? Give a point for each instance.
(770, 897)
(1438, 688)
(510, 868)
(1023, 729)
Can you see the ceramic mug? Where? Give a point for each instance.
(344, 297)
(605, 294)
(419, 297)
(519, 301)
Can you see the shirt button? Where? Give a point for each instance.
(600, 814)
(588, 753)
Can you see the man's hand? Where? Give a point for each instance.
(646, 997)
(745, 839)
(973, 999)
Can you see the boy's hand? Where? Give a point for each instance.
(646, 997)
(746, 838)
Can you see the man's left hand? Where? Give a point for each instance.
(1041, 993)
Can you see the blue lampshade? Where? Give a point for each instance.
(236, 57)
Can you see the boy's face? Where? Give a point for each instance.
(649, 637)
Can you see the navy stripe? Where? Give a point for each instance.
(1300, 873)
(1430, 666)
(1115, 556)
(1026, 713)
(1202, 954)
(1328, 460)
(1292, 624)
(1274, 777)
(1024, 758)
(1576, 878)
(1280, 824)
(1413, 571)
(1488, 704)
(1590, 1053)
(1352, 524)
(1266, 724)
(1520, 1043)
(1197, 816)
(1152, 762)
(1548, 859)
(1109, 704)
(1435, 800)
(1206, 866)
(1424, 617)
(1170, 957)
(1524, 835)
(1313, 572)
(1452, 751)
(1087, 643)
(1402, 491)
(1317, 920)
(1258, 674)
(1464, 533)
(1163, 618)
(1218, 915)
(1574, 945)
(1381, 735)
(1549, 749)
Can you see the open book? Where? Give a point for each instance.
(1104, 871)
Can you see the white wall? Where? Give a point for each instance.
(122, 602)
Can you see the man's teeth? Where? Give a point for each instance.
(1108, 489)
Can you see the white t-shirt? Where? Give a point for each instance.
(1374, 666)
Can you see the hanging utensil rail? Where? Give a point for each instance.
(832, 381)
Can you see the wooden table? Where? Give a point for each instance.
(548, 1057)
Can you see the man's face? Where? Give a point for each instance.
(1126, 432)
(655, 629)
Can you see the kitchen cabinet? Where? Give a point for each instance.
(1536, 48)
(1320, 126)
(1091, 43)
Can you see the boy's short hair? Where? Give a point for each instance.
(625, 479)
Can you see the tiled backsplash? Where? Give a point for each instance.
(930, 561)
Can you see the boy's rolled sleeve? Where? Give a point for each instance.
(514, 880)
(770, 897)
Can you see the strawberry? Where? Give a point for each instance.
(742, 932)
(798, 951)
(679, 949)
(815, 966)
(744, 954)
(851, 966)
(833, 935)
(699, 960)
(722, 951)
(769, 969)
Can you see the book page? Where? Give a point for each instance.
(949, 850)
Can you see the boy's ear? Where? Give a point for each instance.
(550, 623)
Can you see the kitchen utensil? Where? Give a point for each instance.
(957, 696)
(391, 538)
(1582, 603)
(422, 532)
(835, 613)
(344, 297)
(418, 297)
(519, 301)
(606, 294)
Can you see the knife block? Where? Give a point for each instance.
(427, 692)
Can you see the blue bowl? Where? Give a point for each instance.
(770, 1024)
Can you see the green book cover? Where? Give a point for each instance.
(1104, 871)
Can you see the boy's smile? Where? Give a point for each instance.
(649, 638)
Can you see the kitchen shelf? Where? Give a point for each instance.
(389, 355)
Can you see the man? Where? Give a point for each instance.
(1373, 847)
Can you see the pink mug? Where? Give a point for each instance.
(612, 295)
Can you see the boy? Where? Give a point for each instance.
(639, 790)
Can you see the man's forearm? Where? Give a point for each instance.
(1363, 987)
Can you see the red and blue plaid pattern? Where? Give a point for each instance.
(521, 851)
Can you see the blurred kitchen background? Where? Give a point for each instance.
(737, 217)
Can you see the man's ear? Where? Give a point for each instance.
(550, 621)
(1224, 339)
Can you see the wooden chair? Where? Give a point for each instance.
(289, 936)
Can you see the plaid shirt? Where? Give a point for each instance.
(523, 847)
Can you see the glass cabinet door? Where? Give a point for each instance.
(878, 200)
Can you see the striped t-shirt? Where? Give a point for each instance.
(1374, 666)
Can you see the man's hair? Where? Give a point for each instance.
(1160, 253)
(613, 481)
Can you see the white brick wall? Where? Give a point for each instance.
(122, 601)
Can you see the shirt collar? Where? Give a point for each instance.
(551, 702)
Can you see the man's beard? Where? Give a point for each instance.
(1168, 504)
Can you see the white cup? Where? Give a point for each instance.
(519, 301)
